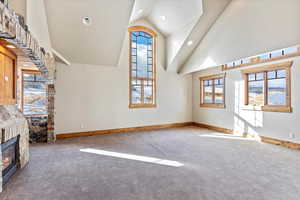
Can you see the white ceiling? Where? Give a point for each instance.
(97, 44)
(178, 13)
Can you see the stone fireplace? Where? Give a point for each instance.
(14, 142)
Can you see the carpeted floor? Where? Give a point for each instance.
(141, 166)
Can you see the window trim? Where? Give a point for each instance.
(257, 60)
(212, 77)
(264, 69)
(154, 36)
(29, 71)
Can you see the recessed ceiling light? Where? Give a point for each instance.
(10, 46)
(87, 21)
(189, 43)
(163, 18)
(140, 11)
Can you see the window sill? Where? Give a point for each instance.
(142, 106)
(283, 109)
(286, 109)
(213, 105)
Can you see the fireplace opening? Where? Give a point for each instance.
(10, 158)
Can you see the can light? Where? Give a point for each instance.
(189, 43)
(10, 46)
(164, 18)
(87, 21)
(140, 11)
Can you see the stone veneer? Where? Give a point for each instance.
(38, 128)
(51, 110)
(12, 124)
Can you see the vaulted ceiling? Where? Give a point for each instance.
(169, 16)
(180, 22)
(175, 19)
(97, 44)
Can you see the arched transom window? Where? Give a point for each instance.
(142, 67)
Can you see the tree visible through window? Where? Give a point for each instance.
(34, 93)
(142, 67)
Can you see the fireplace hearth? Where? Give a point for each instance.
(10, 158)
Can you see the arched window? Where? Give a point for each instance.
(142, 67)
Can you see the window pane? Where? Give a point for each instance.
(142, 56)
(133, 65)
(208, 94)
(39, 77)
(290, 50)
(28, 77)
(275, 54)
(148, 94)
(271, 74)
(133, 59)
(133, 73)
(230, 64)
(219, 94)
(246, 60)
(238, 62)
(281, 73)
(134, 82)
(35, 96)
(277, 92)
(251, 77)
(133, 52)
(133, 44)
(256, 93)
(222, 81)
(136, 94)
(264, 56)
(260, 76)
(150, 69)
(205, 83)
(217, 81)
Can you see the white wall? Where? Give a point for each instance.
(38, 23)
(98, 96)
(247, 28)
(270, 124)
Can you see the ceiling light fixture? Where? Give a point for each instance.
(87, 21)
(10, 46)
(163, 18)
(189, 43)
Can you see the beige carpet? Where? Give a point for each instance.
(173, 164)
